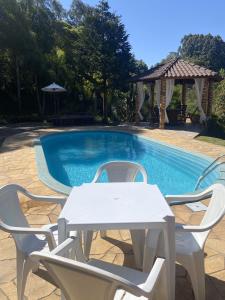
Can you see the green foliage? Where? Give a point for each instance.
(139, 67)
(215, 128)
(85, 49)
(102, 50)
(176, 99)
(170, 56)
(206, 50)
(219, 96)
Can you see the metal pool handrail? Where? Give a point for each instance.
(209, 169)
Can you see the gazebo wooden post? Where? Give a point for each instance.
(210, 98)
(162, 104)
(205, 96)
(136, 105)
(184, 94)
(151, 106)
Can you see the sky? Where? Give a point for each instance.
(156, 27)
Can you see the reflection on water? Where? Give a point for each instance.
(74, 157)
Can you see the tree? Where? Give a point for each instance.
(103, 51)
(206, 50)
(77, 12)
(170, 56)
(220, 98)
(16, 37)
(139, 67)
(85, 49)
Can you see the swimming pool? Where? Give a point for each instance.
(72, 158)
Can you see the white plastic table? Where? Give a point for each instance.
(131, 206)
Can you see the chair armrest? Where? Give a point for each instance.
(62, 248)
(97, 175)
(72, 243)
(51, 199)
(192, 228)
(27, 230)
(148, 286)
(189, 198)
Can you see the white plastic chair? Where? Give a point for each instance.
(119, 171)
(98, 280)
(26, 239)
(190, 239)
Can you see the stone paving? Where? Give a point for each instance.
(17, 165)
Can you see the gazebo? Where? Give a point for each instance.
(160, 81)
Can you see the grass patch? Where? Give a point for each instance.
(212, 140)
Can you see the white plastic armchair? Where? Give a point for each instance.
(118, 171)
(190, 239)
(98, 280)
(121, 171)
(27, 239)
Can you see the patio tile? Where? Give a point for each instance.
(3, 235)
(53, 296)
(125, 260)
(7, 249)
(212, 291)
(8, 270)
(195, 219)
(107, 257)
(3, 296)
(9, 290)
(125, 235)
(38, 219)
(214, 263)
(216, 244)
(209, 252)
(53, 218)
(38, 288)
(183, 289)
(218, 280)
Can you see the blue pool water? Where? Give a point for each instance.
(73, 158)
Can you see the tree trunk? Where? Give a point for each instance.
(43, 106)
(18, 84)
(105, 108)
(38, 97)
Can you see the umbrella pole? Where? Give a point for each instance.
(55, 103)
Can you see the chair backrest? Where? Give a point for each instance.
(81, 281)
(11, 213)
(122, 171)
(215, 211)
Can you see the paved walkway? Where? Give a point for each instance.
(17, 165)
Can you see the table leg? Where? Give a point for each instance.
(62, 235)
(138, 243)
(151, 248)
(62, 232)
(88, 236)
(170, 256)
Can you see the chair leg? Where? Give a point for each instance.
(195, 268)
(20, 260)
(28, 266)
(87, 235)
(138, 241)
